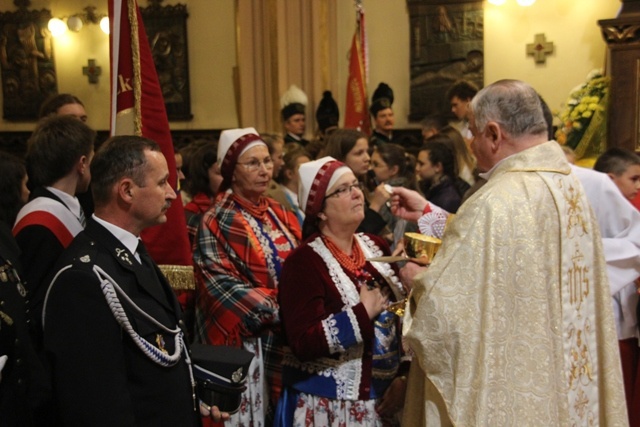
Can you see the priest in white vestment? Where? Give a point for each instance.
(512, 323)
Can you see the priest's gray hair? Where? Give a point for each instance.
(513, 104)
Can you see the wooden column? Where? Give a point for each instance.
(622, 35)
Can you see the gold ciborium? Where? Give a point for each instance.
(419, 246)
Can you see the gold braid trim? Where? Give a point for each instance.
(180, 277)
(137, 80)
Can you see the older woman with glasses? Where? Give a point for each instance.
(342, 365)
(239, 251)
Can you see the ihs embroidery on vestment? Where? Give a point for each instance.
(576, 224)
(578, 280)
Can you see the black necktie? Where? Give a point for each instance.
(148, 265)
(145, 258)
(155, 286)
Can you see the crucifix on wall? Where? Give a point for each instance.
(540, 48)
(92, 71)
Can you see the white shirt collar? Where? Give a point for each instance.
(294, 136)
(486, 175)
(129, 240)
(70, 201)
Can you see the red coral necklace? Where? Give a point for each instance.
(353, 263)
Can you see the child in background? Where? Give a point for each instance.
(623, 167)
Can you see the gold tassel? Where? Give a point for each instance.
(180, 277)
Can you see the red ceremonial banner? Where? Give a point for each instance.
(356, 109)
(137, 108)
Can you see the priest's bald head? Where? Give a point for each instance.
(505, 118)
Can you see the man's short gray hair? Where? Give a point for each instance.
(119, 157)
(511, 103)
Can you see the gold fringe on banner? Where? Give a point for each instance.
(180, 277)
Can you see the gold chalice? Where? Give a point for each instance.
(419, 246)
(419, 249)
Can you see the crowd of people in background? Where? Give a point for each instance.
(282, 229)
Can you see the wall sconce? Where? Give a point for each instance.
(57, 26)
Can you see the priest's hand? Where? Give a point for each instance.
(408, 274)
(407, 204)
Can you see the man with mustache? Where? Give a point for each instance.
(112, 325)
(383, 119)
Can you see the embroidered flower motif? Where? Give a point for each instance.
(331, 331)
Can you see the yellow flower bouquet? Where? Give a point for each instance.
(584, 114)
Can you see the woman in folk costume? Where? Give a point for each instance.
(342, 365)
(239, 251)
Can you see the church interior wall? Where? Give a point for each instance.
(569, 24)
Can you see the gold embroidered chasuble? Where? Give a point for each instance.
(512, 323)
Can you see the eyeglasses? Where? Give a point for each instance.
(343, 191)
(254, 165)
